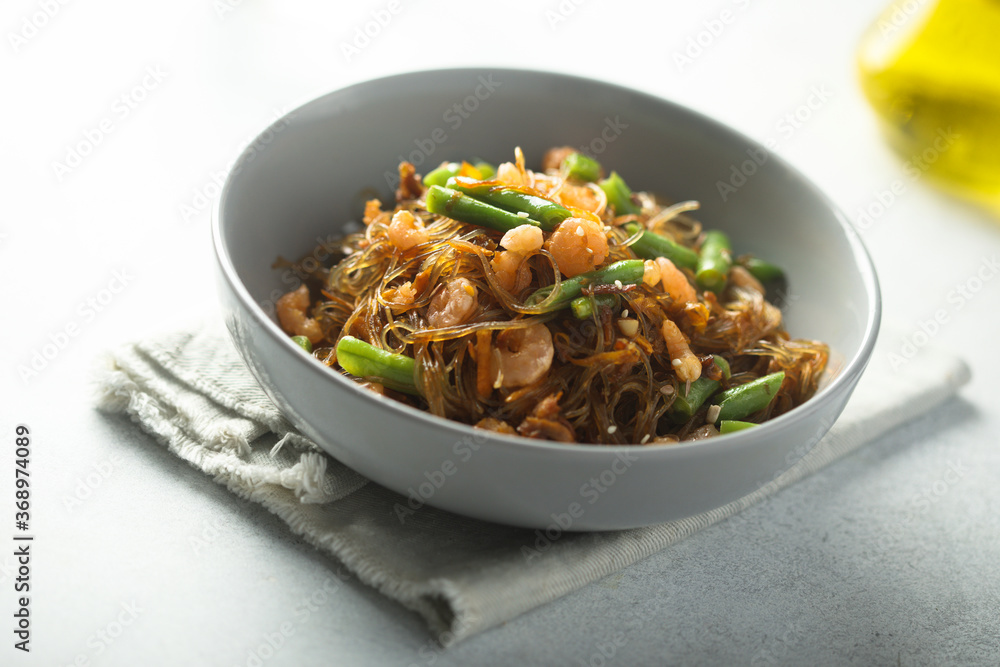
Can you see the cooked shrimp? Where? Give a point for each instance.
(495, 425)
(684, 362)
(524, 239)
(553, 158)
(740, 277)
(582, 197)
(675, 283)
(404, 295)
(406, 231)
(509, 174)
(578, 245)
(509, 265)
(453, 305)
(547, 429)
(291, 309)
(523, 356)
(511, 269)
(514, 173)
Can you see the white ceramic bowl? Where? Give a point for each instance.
(309, 173)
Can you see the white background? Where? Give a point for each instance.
(117, 248)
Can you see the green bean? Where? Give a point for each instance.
(582, 167)
(584, 307)
(363, 360)
(723, 366)
(714, 261)
(441, 175)
(486, 170)
(619, 195)
(626, 271)
(732, 426)
(652, 245)
(746, 399)
(684, 406)
(303, 342)
(447, 170)
(458, 206)
(763, 270)
(513, 199)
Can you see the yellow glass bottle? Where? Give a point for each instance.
(931, 69)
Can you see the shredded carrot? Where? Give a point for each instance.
(484, 381)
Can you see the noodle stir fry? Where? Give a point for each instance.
(554, 304)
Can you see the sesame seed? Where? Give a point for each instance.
(676, 363)
(644, 440)
(612, 429)
(580, 231)
(618, 284)
(667, 389)
(713, 413)
(625, 313)
(522, 214)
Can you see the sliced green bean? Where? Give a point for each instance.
(303, 342)
(732, 426)
(441, 175)
(462, 207)
(763, 270)
(746, 399)
(513, 199)
(486, 170)
(626, 271)
(584, 307)
(619, 195)
(652, 245)
(363, 360)
(448, 170)
(685, 405)
(723, 366)
(714, 261)
(581, 167)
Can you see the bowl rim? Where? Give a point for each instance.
(849, 374)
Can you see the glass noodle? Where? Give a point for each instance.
(612, 377)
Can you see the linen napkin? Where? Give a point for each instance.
(191, 391)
